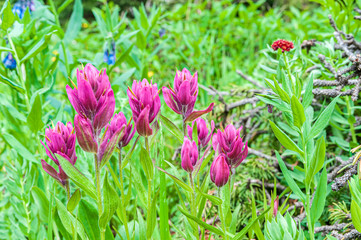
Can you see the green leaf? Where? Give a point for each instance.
(142, 226)
(77, 177)
(173, 129)
(322, 120)
(283, 95)
(215, 200)
(291, 183)
(319, 200)
(88, 215)
(12, 84)
(285, 140)
(152, 216)
(74, 200)
(42, 202)
(244, 231)
(34, 121)
(69, 221)
(298, 112)
(200, 222)
(20, 149)
(119, 60)
(74, 24)
(111, 201)
(8, 16)
(317, 160)
(100, 21)
(356, 215)
(39, 46)
(176, 180)
(308, 96)
(147, 163)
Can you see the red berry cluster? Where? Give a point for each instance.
(283, 44)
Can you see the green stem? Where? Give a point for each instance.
(20, 68)
(56, 16)
(99, 193)
(184, 128)
(123, 195)
(193, 200)
(221, 214)
(67, 189)
(349, 113)
(147, 145)
(288, 71)
(308, 213)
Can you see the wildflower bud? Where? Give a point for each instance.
(182, 98)
(204, 136)
(84, 134)
(109, 141)
(189, 154)
(284, 45)
(9, 61)
(145, 104)
(275, 206)
(219, 171)
(59, 140)
(229, 142)
(93, 97)
(117, 123)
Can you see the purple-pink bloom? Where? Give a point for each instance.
(119, 121)
(229, 142)
(109, 141)
(145, 104)
(85, 134)
(204, 135)
(219, 171)
(182, 98)
(93, 97)
(59, 140)
(189, 154)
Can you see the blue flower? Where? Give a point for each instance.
(9, 61)
(161, 32)
(109, 54)
(18, 8)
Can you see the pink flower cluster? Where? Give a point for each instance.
(284, 45)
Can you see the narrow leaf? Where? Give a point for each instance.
(298, 112)
(74, 200)
(285, 140)
(176, 180)
(111, 201)
(291, 183)
(77, 177)
(319, 200)
(322, 120)
(200, 222)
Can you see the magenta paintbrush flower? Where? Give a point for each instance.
(93, 98)
(119, 121)
(60, 140)
(219, 171)
(204, 135)
(189, 154)
(145, 104)
(85, 134)
(229, 142)
(182, 98)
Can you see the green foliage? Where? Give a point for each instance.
(212, 37)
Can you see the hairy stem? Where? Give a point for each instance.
(99, 193)
(123, 195)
